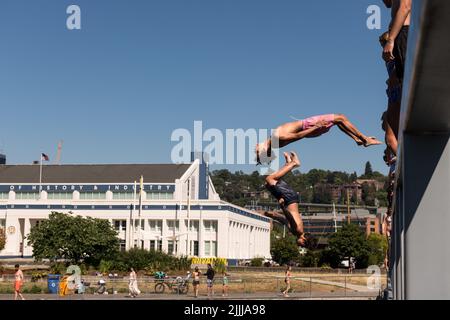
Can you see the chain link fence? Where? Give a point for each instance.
(268, 287)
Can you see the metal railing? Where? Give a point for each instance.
(269, 287)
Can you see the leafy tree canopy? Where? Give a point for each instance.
(73, 238)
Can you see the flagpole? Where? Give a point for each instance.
(132, 229)
(141, 188)
(40, 177)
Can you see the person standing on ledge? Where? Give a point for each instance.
(395, 48)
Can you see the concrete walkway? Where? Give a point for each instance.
(354, 287)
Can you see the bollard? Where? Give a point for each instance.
(345, 288)
(310, 287)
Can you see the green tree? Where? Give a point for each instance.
(368, 194)
(368, 172)
(74, 238)
(310, 259)
(378, 246)
(321, 194)
(2, 239)
(348, 242)
(284, 250)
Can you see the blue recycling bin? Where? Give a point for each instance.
(53, 283)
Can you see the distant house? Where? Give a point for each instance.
(379, 185)
(338, 191)
(257, 195)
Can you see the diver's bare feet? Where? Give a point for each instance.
(301, 241)
(287, 157)
(295, 159)
(371, 141)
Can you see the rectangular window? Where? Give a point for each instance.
(2, 223)
(210, 225)
(120, 225)
(194, 225)
(122, 245)
(159, 195)
(4, 195)
(60, 195)
(159, 245)
(211, 248)
(27, 195)
(92, 195)
(124, 196)
(173, 225)
(214, 248)
(172, 247)
(152, 244)
(194, 248)
(155, 225)
(207, 248)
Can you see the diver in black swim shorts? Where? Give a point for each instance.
(287, 198)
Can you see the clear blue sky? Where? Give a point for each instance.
(115, 90)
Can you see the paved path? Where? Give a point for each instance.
(353, 287)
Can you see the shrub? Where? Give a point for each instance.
(83, 268)
(219, 265)
(35, 276)
(2, 239)
(35, 289)
(257, 262)
(6, 290)
(58, 268)
(310, 259)
(325, 266)
(105, 266)
(150, 261)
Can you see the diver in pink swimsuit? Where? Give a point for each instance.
(310, 128)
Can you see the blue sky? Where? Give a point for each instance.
(115, 90)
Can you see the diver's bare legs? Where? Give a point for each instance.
(288, 167)
(348, 128)
(280, 217)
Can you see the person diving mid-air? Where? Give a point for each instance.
(310, 128)
(287, 198)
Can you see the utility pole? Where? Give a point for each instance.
(348, 208)
(58, 153)
(188, 249)
(334, 218)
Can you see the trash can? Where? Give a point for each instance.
(53, 283)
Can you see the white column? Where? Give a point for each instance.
(201, 233)
(12, 245)
(183, 248)
(164, 234)
(27, 250)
